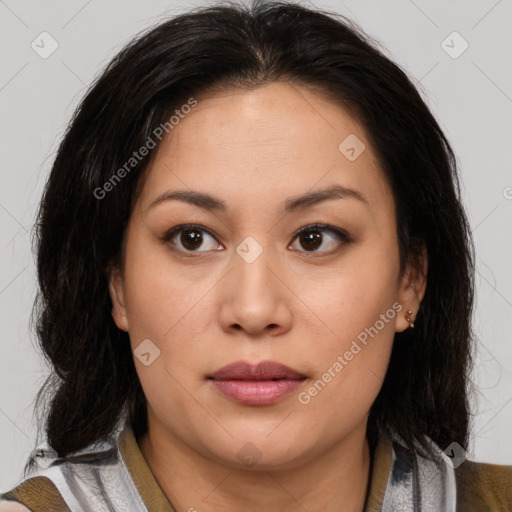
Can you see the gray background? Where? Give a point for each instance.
(470, 96)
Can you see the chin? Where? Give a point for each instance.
(258, 453)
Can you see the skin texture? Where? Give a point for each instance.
(204, 309)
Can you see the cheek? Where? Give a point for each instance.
(163, 297)
(355, 311)
(172, 307)
(350, 297)
(349, 375)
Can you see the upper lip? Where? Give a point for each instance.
(265, 370)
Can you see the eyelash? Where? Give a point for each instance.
(343, 237)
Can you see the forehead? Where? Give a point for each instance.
(263, 144)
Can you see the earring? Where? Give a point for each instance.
(409, 318)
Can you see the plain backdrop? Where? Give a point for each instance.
(468, 89)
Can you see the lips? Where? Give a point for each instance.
(266, 370)
(266, 383)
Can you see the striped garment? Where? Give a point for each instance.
(114, 476)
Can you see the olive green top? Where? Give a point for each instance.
(480, 487)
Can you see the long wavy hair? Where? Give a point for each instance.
(78, 236)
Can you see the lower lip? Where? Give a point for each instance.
(257, 392)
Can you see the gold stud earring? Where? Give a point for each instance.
(409, 318)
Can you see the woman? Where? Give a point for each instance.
(256, 282)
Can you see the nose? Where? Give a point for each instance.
(254, 296)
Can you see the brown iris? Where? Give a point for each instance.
(310, 239)
(191, 239)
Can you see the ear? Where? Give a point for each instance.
(412, 287)
(116, 290)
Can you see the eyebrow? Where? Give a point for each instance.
(210, 203)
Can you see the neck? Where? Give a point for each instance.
(335, 480)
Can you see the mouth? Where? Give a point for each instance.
(262, 384)
(265, 370)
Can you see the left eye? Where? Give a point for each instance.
(312, 239)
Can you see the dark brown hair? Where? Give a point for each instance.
(79, 237)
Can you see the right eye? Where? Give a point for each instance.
(190, 238)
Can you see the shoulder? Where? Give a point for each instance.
(37, 493)
(482, 486)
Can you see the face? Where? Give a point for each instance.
(242, 285)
